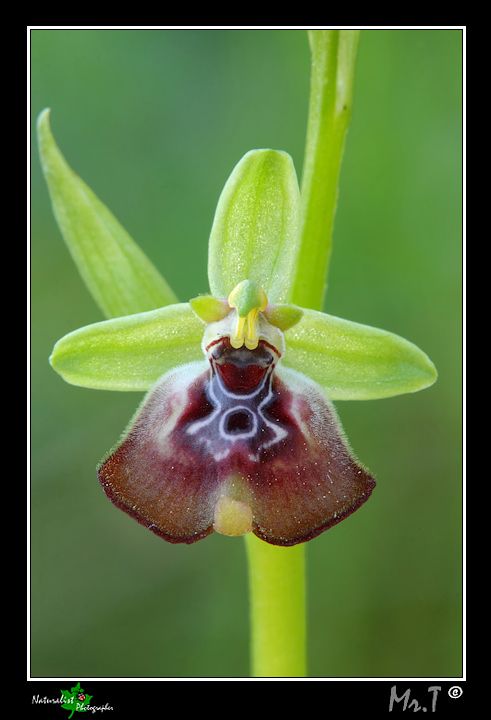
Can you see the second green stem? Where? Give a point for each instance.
(277, 577)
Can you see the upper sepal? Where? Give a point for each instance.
(255, 232)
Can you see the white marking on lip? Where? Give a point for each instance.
(225, 403)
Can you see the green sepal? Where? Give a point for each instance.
(118, 274)
(353, 361)
(132, 352)
(255, 233)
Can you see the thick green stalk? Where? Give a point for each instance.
(278, 609)
(331, 100)
(277, 577)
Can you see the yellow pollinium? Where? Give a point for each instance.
(248, 300)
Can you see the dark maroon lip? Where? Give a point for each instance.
(241, 430)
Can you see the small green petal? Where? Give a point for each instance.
(283, 316)
(120, 277)
(132, 352)
(356, 362)
(255, 232)
(210, 309)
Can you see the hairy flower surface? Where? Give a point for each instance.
(236, 443)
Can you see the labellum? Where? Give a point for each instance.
(237, 443)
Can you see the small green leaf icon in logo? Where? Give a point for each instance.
(75, 699)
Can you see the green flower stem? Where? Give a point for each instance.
(331, 100)
(278, 609)
(277, 577)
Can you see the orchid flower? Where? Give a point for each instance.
(237, 432)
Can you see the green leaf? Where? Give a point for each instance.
(356, 362)
(71, 701)
(68, 702)
(120, 277)
(129, 353)
(255, 232)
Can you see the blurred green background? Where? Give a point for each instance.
(154, 121)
